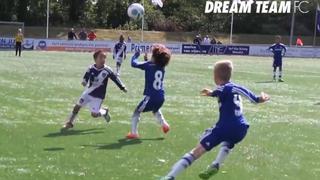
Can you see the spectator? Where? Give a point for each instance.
(72, 35)
(83, 35)
(213, 41)
(197, 40)
(206, 40)
(299, 41)
(129, 39)
(92, 36)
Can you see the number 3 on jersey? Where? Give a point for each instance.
(157, 83)
(238, 102)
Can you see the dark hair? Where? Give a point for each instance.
(121, 38)
(97, 53)
(161, 55)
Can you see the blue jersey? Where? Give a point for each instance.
(120, 50)
(154, 76)
(278, 50)
(98, 81)
(230, 104)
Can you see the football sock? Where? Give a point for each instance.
(181, 165)
(135, 120)
(159, 117)
(103, 112)
(118, 68)
(223, 153)
(280, 74)
(274, 74)
(72, 117)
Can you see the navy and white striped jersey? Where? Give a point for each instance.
(98, 81)
(120, 50)
(278, 50)
(230, 103)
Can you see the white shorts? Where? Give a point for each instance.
(93, 103)
(119, 60)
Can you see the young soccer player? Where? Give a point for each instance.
(120, 53)
(154, 95)
(95, 80)
(231, 127)
(279, 50)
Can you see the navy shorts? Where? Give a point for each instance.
(150, 104)
(216, 135)
(277, 63)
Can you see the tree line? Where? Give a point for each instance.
(176, 15)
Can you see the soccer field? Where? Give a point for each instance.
(37, 93)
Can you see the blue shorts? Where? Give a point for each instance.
(216, 135)
(150, 104)
(277, 63)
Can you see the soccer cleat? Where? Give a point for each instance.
(281, 80)
(167, 178)
(132, 136)
(165, 128)
(209, 172)
(107, 116)
(67, 126)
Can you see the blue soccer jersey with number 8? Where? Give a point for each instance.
(154, 76)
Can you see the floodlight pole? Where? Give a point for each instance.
(293, 19)
(231, 28)
(48, 10)
(142, 23)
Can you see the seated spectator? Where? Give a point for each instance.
(83, 35)
(92, 36)
(72, 35)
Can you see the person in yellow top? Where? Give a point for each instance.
(19, 40)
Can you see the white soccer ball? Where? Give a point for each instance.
(135, 11)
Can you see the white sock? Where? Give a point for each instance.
(118, 69)
(103, 112)
(223, 153)
(181, 165)
(134, 122)
(274, 73)
(160, 119)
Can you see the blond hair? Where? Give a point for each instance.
(223, 70)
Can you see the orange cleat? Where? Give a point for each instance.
(165, 128)
(132, 136)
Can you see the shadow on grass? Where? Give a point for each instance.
(73, 132)
(265, 82)
(317, 104)
(122, 143)
(54, 149)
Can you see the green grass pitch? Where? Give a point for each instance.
(38, 90)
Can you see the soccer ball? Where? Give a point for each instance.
(135, 11)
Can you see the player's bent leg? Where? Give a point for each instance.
(161, 120)
(186, 161)
(105, 114)
(70, 121)
(280, 74)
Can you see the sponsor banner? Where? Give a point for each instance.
(10, 43)
(304, 52)
(72, 45)
(146, 47)
(215, 49)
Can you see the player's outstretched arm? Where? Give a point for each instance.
(135, 63)
(86, 77)
(117, 81)
(264, 97)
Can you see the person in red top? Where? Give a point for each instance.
(92, 36)
(299, 41)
